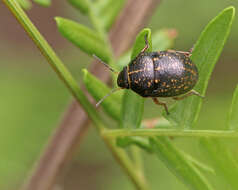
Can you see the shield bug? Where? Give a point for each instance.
(159, 74)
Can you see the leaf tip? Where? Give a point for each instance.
(147, 31)
(58, 19)
(85, 72)
(44, 3)
(229, 10)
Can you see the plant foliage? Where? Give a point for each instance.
(126, 107)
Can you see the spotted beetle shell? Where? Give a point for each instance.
(161, 74)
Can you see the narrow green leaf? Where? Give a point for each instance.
(133, 104)
(112, 104)
(205, 55)
(82, 5)
(199, 164)
(178, 164)
(83, 37)
(25, 4)
(132, 110)
(162, 40)
(45, 3)
(222, 160)
(95, 19)
(108, 11)
(233, 114)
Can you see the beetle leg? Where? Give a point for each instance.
(146, 45)
(191, 49)
(190, 93)
(156, 101)
(187, 53)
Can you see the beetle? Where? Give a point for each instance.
(168, 73)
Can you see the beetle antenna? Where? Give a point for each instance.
(111, 92)
(105, 64)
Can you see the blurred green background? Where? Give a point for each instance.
(32, 99)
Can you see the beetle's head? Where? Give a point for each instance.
(122, 79)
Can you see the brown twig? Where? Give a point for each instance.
(75, 121)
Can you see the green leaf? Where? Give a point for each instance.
(205, 55)
(83, 37)
(162, 40)
(108, 11)
(199, 164)
(112, 104)
(233, 114)
(82, 5)
(133, 104)
(102, 13)
(45, 3)
(25, 4)
(222, 160)
(132, 110)
(178, 164)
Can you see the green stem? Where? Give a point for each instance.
(136, 156)
(72, 85)
(138, 161)
(134, 173)
(114, 133)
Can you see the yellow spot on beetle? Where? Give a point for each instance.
(137, 71)
(149, 84)
(155, 59)
(157, 69)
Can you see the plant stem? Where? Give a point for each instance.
(138, 160)
(169, 132)
(134, 173)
